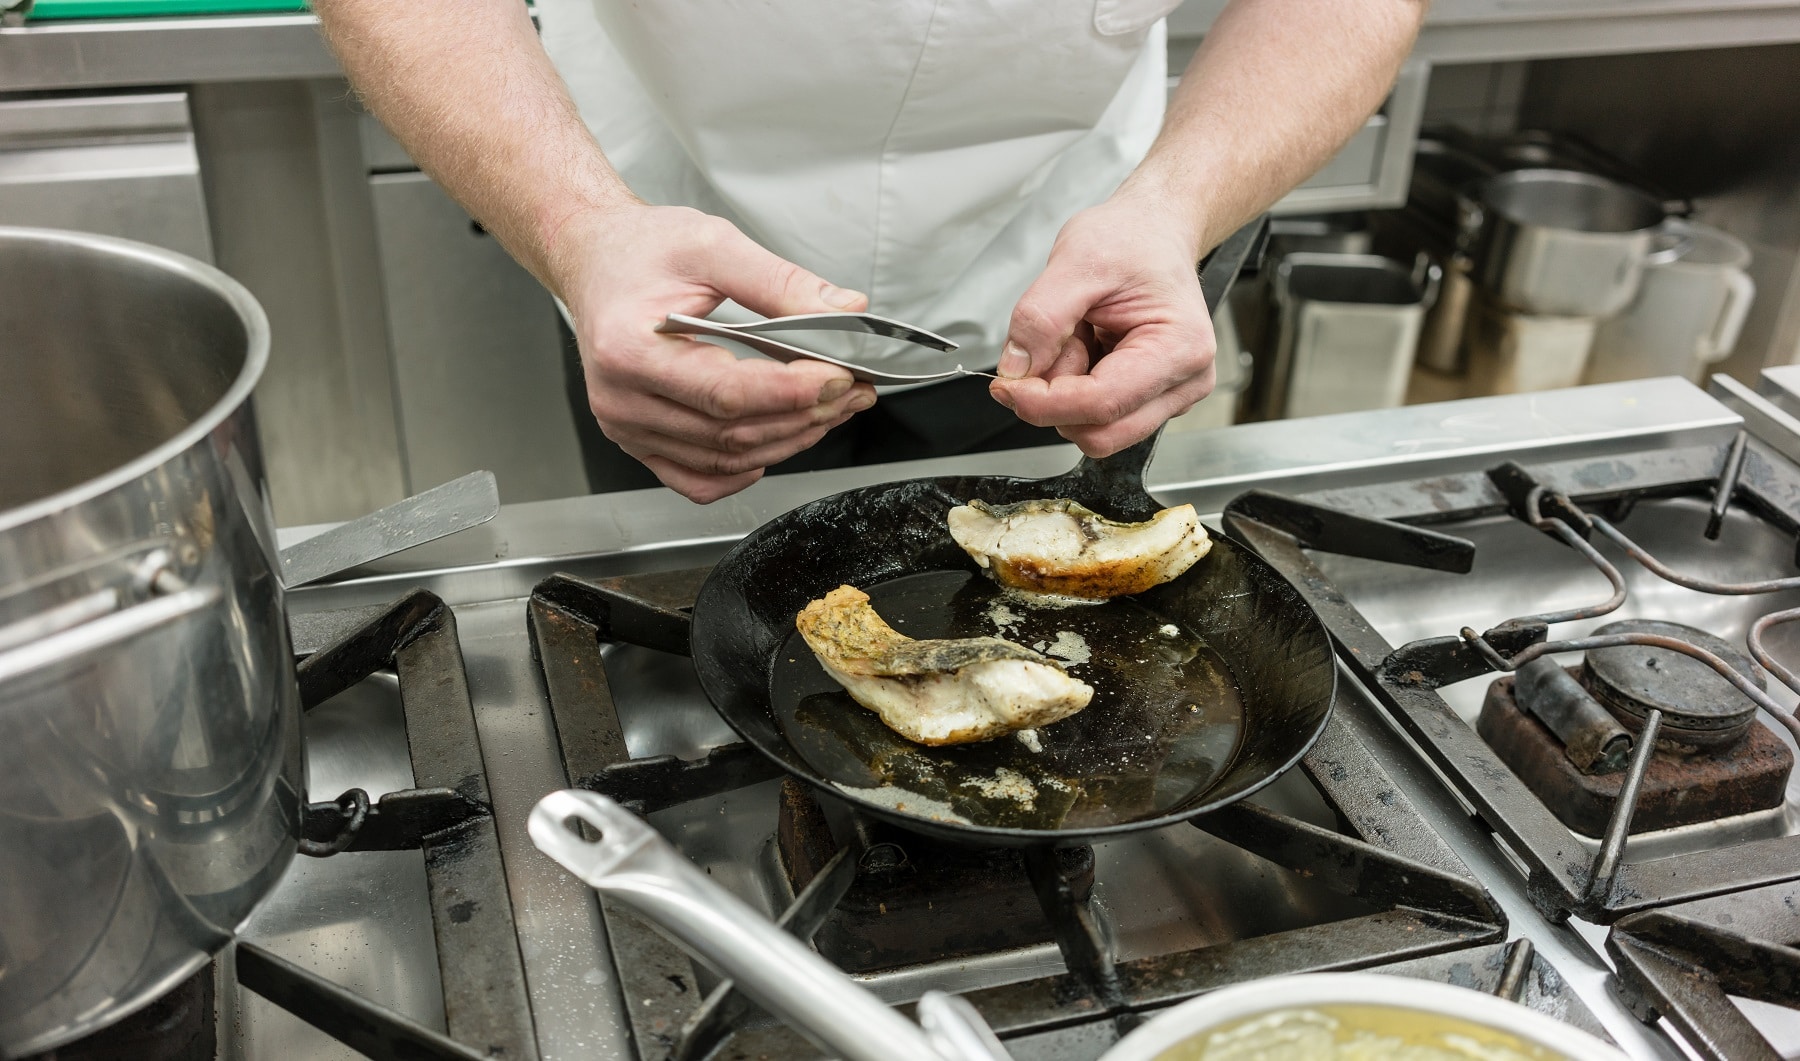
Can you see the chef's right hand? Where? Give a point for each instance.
(704, 421)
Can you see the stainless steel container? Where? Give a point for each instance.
(1349, 327)
(1552, 242)
(150, 757)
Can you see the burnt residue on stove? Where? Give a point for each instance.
(1721, 758)
(1712, 760)
(1679, 787)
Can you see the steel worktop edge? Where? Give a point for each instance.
(657, 529)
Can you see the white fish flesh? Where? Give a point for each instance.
(936, 691)
(1058, 546)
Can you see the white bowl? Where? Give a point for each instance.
(1225, 1006)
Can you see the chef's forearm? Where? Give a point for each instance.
(470, 93)
(1275, 89)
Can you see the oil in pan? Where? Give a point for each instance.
(1164, 723)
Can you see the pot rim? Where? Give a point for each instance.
(1558, 175)
(256, 359)
(1211, 1010)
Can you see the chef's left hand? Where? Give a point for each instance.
(1120, 282)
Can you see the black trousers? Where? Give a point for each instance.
(942, 420)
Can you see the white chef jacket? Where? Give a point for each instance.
(925, 152)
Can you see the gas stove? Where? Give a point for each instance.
(1464, 818)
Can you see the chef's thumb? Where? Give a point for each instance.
(773, 286)
(1046, 316)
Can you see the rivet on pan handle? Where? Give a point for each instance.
(624, 858)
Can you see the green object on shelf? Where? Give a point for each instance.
(46, 10)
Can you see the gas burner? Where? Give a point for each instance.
(1567, 756)
(1678, 788)
(1700, 708)
(1567, 733)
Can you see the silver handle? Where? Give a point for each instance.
(627, 860)
(956, 1029)
(87, 634)
(682, 324)
(457, 505)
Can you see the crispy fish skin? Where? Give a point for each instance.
(1058, 546)
(936, 691)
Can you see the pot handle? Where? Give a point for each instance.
(1740, 291)
(621, 856)
(101, 619)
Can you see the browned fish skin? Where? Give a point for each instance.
(1091, 560)
(936, 691)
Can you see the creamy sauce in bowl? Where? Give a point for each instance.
(1355, 1033)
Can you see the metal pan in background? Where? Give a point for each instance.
(1207, 687)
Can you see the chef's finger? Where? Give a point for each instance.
(696, 487)
(741, 270)
(1076, 356)
(1139, 371)
(712, 380)
(1103, 440)
(1050, 311)
(712, 462)
(665, 417)
(1073, 360)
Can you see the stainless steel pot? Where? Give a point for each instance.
(150, 758)
(1552, 242)
(151, 769)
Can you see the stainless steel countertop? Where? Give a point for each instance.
(116, 52)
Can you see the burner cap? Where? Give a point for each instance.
(1694, 698)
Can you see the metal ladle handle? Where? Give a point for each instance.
(620, 856)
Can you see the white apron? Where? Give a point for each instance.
(925, 152)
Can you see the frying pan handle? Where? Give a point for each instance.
(630, 862)
(1117, 482)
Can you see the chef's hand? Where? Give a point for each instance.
(704, 421)
(1120, 282)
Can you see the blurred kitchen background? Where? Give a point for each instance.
(1557, 192)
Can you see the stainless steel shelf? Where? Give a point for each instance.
(163, 51)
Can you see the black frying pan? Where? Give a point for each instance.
(1207, 687)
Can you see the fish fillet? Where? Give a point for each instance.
(1057, 546)
(936, 692)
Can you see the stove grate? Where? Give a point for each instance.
(448, 817)
(1683, 962)
(1652, 903)
(1425, 900)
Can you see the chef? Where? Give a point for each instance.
(999, 171)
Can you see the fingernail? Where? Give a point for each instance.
(861, 402)
(833, 390)
(1000, 395)
(1014, 362)
(842, 298)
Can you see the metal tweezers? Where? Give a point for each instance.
(751, 336)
